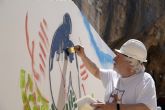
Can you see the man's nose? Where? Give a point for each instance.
(116, 57)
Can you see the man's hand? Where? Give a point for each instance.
(79, 50)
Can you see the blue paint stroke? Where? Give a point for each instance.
(61, 41)
(104, 59)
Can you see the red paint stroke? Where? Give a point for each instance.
(85, 77)
(82, 85)
(45, 23)
(43, 51)
(42, 69)
(82, 65)
(42, 60)
(31, 51)
(42, 39)
(46, 37)
(83, 72)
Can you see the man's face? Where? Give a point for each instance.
(121, 65)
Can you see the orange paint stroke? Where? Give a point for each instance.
(45, 23)
(42, 69)
(85, 77)
(31, 51)
(42, 60)
(42, 50)
(46, 37)
(42, 39)
(82, 65)
(83, 72)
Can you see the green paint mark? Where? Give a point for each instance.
(44, 107)
(39, 99)
(27, 106)
(67, 108)
(70, 105)
(35, 107)
(31, 96)
(74, 98)
(24, 97)
(22, 78)
(75, 105)
(53, 107)
(30, 83)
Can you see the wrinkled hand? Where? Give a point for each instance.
(103, 106)
(79, 50)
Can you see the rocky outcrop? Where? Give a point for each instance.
(119, 20)
(154, 39)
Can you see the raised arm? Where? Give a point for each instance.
(91, 66)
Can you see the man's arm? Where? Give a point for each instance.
(139, 106)
(113, 106)
(92, 68)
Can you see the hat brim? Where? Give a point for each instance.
(119, 51)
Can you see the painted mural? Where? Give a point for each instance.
(47, 76)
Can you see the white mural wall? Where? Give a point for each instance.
(37, 73)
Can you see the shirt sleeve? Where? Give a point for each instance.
(146, 93)
(105, 76)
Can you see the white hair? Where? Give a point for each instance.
(136, 64)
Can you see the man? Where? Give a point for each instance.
(127, 86)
